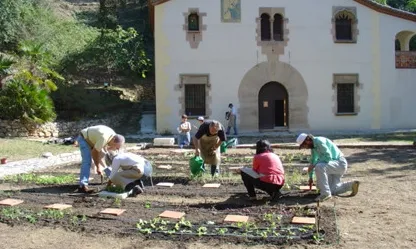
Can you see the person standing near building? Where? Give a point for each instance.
(232, 119)
(329, 164)
(93, 143)
(184, 130)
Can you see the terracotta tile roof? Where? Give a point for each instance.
(368, 3)
(388, 10)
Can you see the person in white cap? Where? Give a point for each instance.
(329, 164)
(200, 122)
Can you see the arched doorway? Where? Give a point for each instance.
(289, 78)
(273, 103)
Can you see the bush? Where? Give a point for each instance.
(27, 102)
(36, 21)
(115, 51)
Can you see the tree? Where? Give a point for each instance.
(10, 22)
(5, 68)
(38, 69)
(26, 102)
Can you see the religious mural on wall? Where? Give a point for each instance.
(231, 10)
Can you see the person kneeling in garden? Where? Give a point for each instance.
(269, 167)
(329, 164)
(128, 171)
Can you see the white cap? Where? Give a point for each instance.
(200, 118)
(301, 138)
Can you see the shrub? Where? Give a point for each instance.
(27, 102)
(119, 50)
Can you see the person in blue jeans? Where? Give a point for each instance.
(184, 130)
(93, 142)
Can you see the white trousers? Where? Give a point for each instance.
(328, 177)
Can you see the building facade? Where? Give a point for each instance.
(285, 65)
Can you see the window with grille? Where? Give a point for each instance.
(278, 27)
(193, 22)
(195, 99)
(345, 98)
(265, 27)
(343, 27)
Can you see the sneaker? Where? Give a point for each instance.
(354, 188)
(135, 191)
(323, 198)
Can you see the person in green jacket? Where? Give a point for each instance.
(329, 164)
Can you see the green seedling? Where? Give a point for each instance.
(117, 202)
(317, 238)
(12, 213)
(146, 231)
(42, 179)
(115, 189)
(147, 205)
(185, 223)
(74, 220)
(202, 230)
(52, 214)
(221, 231)
(262, 233)
(31, 218)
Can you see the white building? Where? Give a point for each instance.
(285, 64)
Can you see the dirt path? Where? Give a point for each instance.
(380, 216)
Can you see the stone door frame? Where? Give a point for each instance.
(256, 78)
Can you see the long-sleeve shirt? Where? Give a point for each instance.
(270, 165)
(324, 151)
(127, 159)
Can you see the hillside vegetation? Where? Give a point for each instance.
(56, 56)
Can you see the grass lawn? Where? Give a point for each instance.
(15, 149)
(20, 149)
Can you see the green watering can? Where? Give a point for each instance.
(196, 164)
(227, 144)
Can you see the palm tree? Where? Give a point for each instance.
(5, 68)
(40, 71)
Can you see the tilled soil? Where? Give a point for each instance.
(364, 221)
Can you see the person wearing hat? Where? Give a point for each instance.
(200, 122)
(127, 171)
(329, 165)
(94, 142)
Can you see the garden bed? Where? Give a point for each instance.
(204, 208)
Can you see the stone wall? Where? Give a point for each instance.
(55, 129)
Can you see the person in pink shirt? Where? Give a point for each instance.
(267, 164)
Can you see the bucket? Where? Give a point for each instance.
(3, 160)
